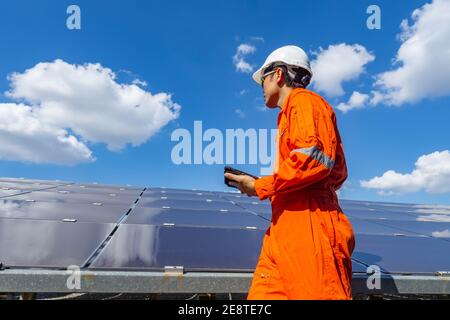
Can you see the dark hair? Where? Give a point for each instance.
(295, 77)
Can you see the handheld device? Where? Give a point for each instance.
(228, 169)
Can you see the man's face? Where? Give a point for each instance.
(271, 87)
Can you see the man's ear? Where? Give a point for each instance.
(280, 77)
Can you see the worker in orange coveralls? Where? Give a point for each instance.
(306, 251)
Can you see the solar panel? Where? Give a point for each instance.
(94, 189)
(261, 209)
(23, 180)
(182, 196)
(10, 192)
(66, 196)
(386, 206)
(194, 248)
(431, 213)
(98, 186)
(425, 208)
(377, 214)
(362, 226)
(59, 211)
(182, 191)
(403, 255)
(205, 204)
(31, 243)
(185, 217)
(241, 198)
(52, 224)
(431, 229)
(29, 185)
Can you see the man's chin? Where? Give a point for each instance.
(271, 106)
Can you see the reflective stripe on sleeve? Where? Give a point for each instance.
(317, 154)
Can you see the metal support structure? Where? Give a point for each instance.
(56, 281)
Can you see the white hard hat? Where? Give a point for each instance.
(290, 55)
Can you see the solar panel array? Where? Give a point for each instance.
(52, 224)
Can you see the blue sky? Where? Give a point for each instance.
(186, 49)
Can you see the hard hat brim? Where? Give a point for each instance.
(257, 75)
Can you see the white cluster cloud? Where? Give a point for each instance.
(431, 173)
(356, 101)
(360, 100)
(23, 136)
(337, 64)
(420, 69)
(62, 107)
(423, 57)
(242, 51)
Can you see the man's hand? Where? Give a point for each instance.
(244, 183)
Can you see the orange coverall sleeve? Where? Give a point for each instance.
(311, 144)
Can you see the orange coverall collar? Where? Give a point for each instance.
(286, 101)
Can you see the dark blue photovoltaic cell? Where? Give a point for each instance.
(58, 211)
(229, 219)
(32, 243)
(154, 247)
(403, 254)
(206, 204)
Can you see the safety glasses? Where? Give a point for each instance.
(263, 77)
